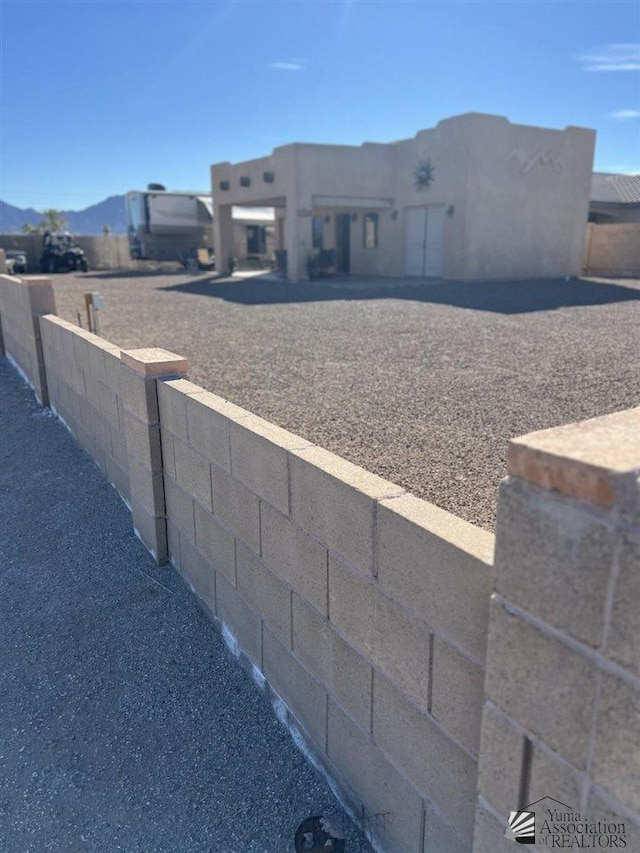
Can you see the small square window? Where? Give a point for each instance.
(371, 231)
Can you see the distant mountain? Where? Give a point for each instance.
(89, 221)
(92, 219)
(13, 218)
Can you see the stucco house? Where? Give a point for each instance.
(475, 197)
(614, 198)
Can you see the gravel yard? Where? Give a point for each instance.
(424, 384)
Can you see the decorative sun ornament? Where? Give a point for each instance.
(424, 174)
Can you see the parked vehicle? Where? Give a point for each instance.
(16, 262)
(168, 226)
(61, 254)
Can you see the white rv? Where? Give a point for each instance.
(166, 225)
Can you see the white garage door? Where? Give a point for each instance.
(424, 241)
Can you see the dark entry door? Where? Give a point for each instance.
(343, 224)
(255, 239)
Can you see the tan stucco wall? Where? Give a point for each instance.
(527, 199)
(258, 189)
(517, 196)
(447, 147)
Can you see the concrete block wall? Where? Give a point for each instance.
(612, 250)
(363, 607)
(83, 375)
(22, 302)
(30, 244)
(140, 373)
(365, 611)
(108, 400)
(561, 718)
(105, 252)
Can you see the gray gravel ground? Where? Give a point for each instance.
(421, 383)
(125, 724)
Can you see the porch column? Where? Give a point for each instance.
(280, 223)
(299, 238)
(223, 237)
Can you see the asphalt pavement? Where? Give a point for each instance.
(125, 723)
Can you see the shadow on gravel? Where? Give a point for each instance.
(513, 297)
(116, 274)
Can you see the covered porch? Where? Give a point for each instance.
(341, 235)
(322, 204)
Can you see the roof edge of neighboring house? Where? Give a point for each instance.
(615, 188)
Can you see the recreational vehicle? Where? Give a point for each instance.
(166, 225)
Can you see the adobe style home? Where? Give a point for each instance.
(475, 197)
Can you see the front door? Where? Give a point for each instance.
(424, 241)
(415, 229)
(256, 239)
(343, 242)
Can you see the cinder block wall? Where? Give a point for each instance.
(365, 609)
(84, 379)
(107, 252)
(613, 250)
(562, 711)
(108, 400)
(22, 301)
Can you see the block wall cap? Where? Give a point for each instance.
(94, 339)
(271, 432)
(358, 478)
(218, 404)
(65, 324)
(154, 361)
(86, 335)
(597, 461)
(182, 385)
(456, 531)
(36, 280)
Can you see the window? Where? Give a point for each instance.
(318, 230)
(136, 211)
(371, 231)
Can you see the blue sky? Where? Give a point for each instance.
(102, 97)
